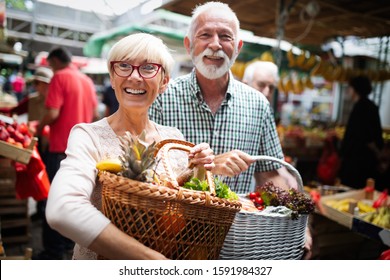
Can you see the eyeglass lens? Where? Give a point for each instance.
(147, 70)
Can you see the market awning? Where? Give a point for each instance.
(95, 44)
(11, 58)
(305, 22)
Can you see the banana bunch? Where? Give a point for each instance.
(267, 56)
(309, 83)
(310, 62)
(381, 217)
(301, 59)
(298, 86)
(365, 208)
(343, 205)
(291, 58)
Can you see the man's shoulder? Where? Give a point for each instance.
(179, 85)
(242, 90)
(180, 80)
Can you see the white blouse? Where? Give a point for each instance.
(74, 202)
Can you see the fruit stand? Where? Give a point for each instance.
(16, 147)
(354, 211)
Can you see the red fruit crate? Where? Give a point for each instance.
(16, 153)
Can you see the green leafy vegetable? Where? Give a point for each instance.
(197, 185)
(221, 189)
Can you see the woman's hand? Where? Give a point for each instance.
(202, 154)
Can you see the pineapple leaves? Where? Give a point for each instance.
(137, 159)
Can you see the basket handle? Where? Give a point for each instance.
(285, 164)
(165, 146)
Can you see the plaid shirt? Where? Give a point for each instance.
(244, 122)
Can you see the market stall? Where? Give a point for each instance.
(23, 175)
(346, 225)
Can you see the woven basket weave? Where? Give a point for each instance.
(258, 237)
(177, 222)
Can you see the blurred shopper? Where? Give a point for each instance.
(36, 100)
(362, 142)
(263, 76)
(36, 110)
(34, 103)
(18, 86)
(71, 99)
(109, 99)
(34, 106)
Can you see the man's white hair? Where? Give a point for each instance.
(208, 7)
(264, 66)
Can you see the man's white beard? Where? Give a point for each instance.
(212, 72)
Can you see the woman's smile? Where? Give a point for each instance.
(135, 91)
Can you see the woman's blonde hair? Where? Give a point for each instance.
(142, 46)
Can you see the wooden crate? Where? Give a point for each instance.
(343, 218)
(16, 153)
(14, 220)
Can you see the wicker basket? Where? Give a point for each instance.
(258, 237)
(179, 223)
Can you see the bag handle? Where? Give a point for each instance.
(289, 167)
(165, 146)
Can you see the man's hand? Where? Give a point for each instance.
(232, 163)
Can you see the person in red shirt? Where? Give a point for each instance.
(18, 86)
(71, 99)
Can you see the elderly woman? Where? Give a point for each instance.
(139, 67)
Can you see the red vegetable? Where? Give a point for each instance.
(259, 201)
(381, 200)
(252, 195)
(385, 255)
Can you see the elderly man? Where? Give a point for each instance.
(263, 76)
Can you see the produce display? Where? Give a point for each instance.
(362, 204)
(16, 134)
(298, 135)
(343, 205)
(271, 195)
(381, 217)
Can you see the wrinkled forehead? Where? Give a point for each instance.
(215, 19)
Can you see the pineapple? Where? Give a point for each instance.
(138, 161)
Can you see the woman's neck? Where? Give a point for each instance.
(134, 123)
